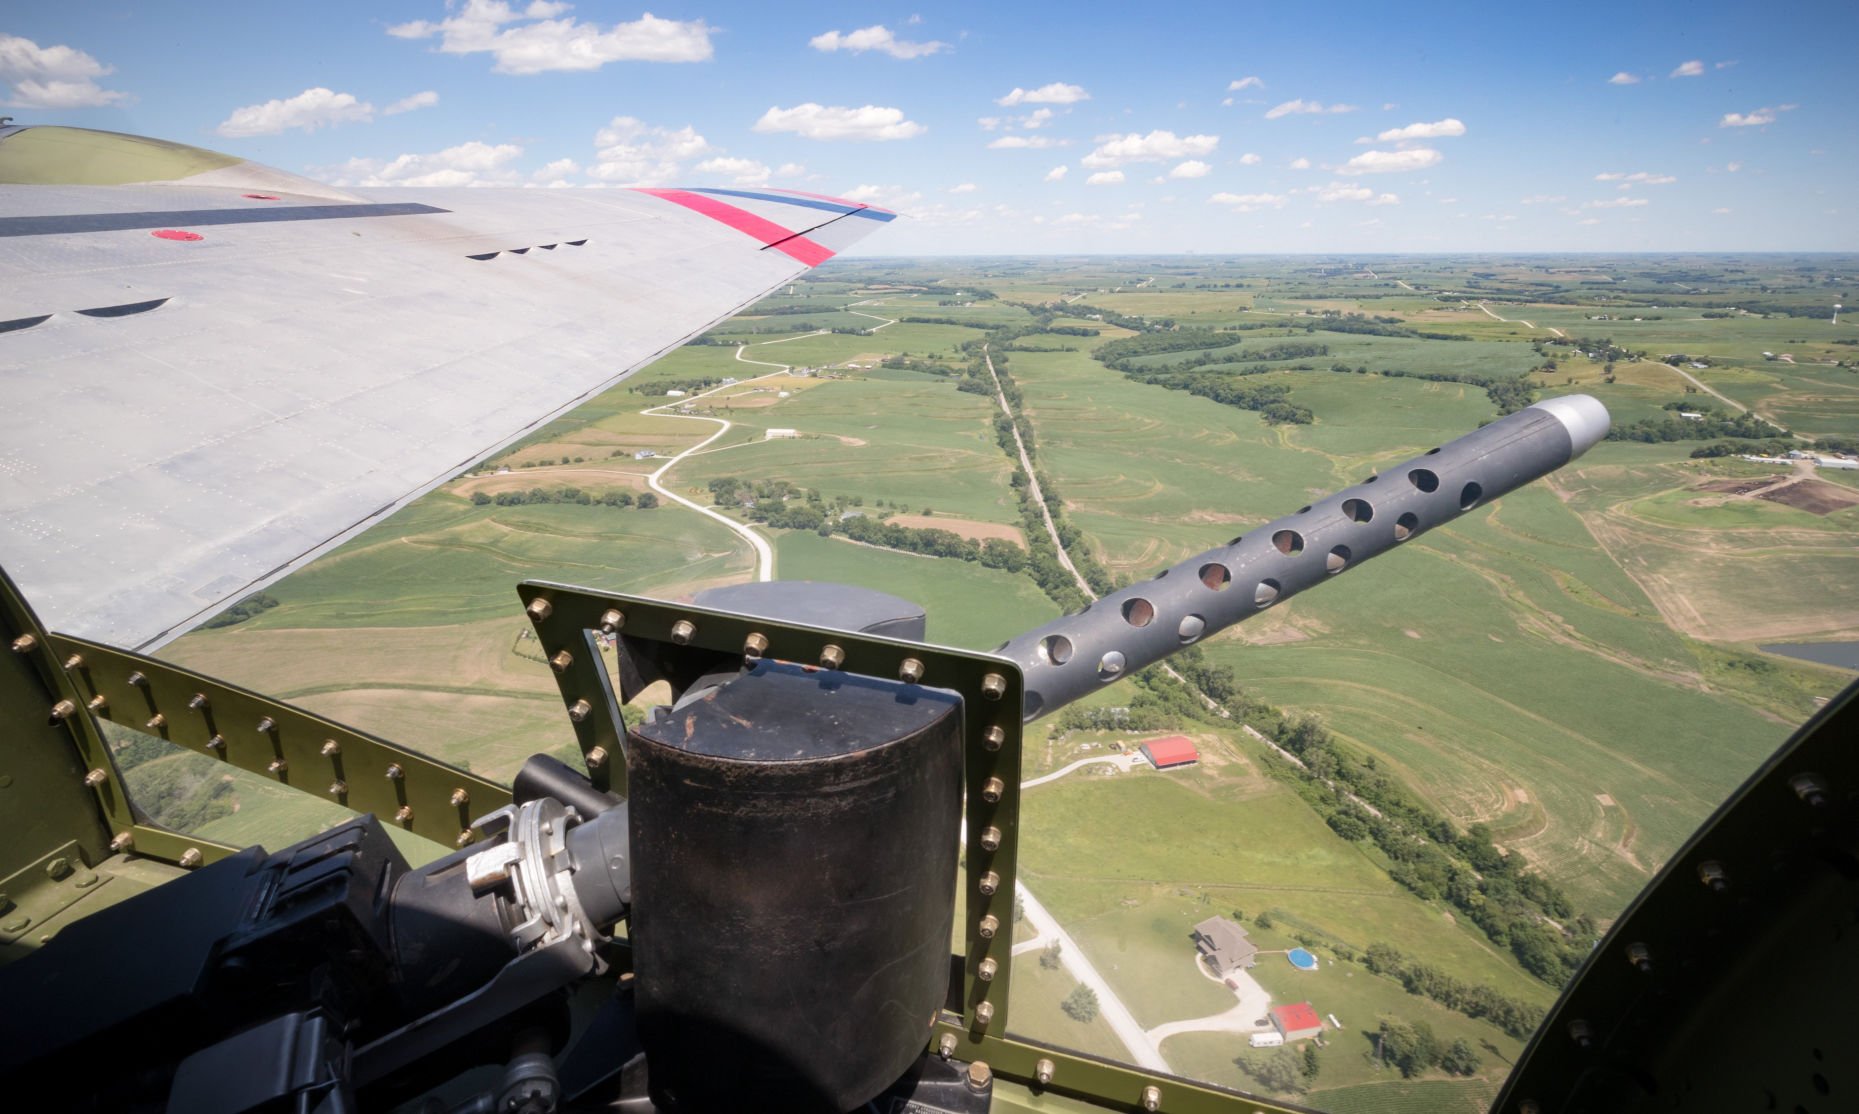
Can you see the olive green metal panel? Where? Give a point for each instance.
(284, 743)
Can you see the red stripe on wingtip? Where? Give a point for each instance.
(768, 232)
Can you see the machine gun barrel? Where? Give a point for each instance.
(1137, 626)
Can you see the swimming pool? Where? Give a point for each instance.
(1302, 959)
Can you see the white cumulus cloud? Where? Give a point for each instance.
(741, 172)
(879, 38)
(1693, 68)
(1747, 119)
(1056, 93)
(53, 76)
(536, 41)
(1057, 173)
(1299, 163)
(1391, 162)
(1105, 178)
(1026, 143)
(1193, 168)
(632, 152)
(817, 121)
(1250, 159)
(1246, 202)
(468, 164)
(965, 187)
(1157, 146)
(1616, 203)
(409, 104)
(1342, 191)
(1637, 178)
(1624, 78)
(887, 197)
(307, 111)
(1436, 130)
(1301, 107)
(1244, 83)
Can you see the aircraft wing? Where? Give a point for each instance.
(209, 380)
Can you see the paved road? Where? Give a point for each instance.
(1143, 1051)
(1252, 1002)
(764, 553)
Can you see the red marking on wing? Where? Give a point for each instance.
(175, 234)
(768, 232)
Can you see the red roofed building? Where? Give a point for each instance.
(1297, 1021)
(1176, 750)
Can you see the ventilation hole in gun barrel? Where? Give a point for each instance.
(1191, 628)
(1337, 561)
(1372, 479)
(1423, 479)
(1305, 509)
(1289, 542)
(1110, 666)
(1216, 576)
(1055, 649)
(1357, 510)
(1034, 702)
(1138, 612)
(1405, 526)
(1267, 592)
(1433, 451)
(1469, 496)
(1237, 540)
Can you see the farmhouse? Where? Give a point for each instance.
(1175, 750)
(1223, 945)
(780, 434)
(1297, 1021)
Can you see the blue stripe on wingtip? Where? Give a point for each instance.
(803, 202)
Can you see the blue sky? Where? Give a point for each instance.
(1219, 127)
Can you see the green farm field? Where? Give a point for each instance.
(1575, 666)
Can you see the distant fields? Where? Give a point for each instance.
(1574, 665)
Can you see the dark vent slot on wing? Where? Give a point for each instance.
(547, 247)
(576, 243)
(483, 255)
(19, 323)
(519, 251)
(125, 309)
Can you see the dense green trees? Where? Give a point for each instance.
(1081, 1004)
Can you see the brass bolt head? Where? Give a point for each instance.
(988, 969)
(611, 620)
(137, 679)
(331, 748)
(1640, 956)
(123, 842)
(1152, 1098)
(539, 609)
(278, 766)
(831, 656)
(404, 814)
(754, 646)
(75, 661)
(394, 772)
(1712, 874)
(62, 711)
(946, 1046)
(338, 788)
(95, 778)
(683, 631)
(98, 703)
(979, 1075)
(464, 838)
(993, 738)
(1043, 1071)
(993, 686)
(984, 1013)
(157, 722)
(198, 702)
(989, 925)
(580, 710)
(267, 725)
(460, 798)
(561, 661)
(990, 838)
(217, 742)
(910, 672)
(191, 858)
(989, 883)
(992, 789)
(596, 757)
(25, 644)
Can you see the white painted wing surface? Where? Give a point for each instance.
(204, 388)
